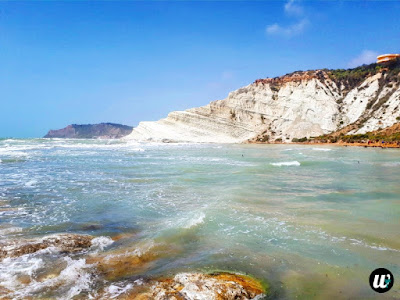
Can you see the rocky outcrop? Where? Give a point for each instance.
(297, 105)
(90, 131)
(64, 242)
(199, 286)
(73, 266)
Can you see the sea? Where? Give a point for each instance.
(309, 221)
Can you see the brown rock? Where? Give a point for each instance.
(65, 242)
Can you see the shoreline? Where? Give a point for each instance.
(342, 144)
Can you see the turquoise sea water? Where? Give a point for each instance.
(311, 221)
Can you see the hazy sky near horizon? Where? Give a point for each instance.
(126, 62)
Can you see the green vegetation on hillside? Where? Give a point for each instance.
(353, 138)
(353, 77)
(369, 136)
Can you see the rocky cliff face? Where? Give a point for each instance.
(297, 105)
(89, 131)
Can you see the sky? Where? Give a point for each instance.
(83, 62)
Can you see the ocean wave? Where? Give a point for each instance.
(10, 152)
(117, 289)
(10, 230)
(31, 183)
(141, 249)
(101, 242)
(391, 164)
(286, 163)
(357, 242)
(49, 269)
(21, 149)
(196, 220)
(75, 278)
(322, 149)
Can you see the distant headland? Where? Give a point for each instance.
(91, 131)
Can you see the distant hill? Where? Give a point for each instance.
(91, 131)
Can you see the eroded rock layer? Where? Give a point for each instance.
(297, 105)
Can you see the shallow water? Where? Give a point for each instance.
(311, 221)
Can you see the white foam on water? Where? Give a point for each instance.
(139, 251)
(17, 149)
(15, 212)
(391, 164)
(119, 288)
(375, 247)
(113, 291)
(75, 278)
(209, 160)
(196, 220)
(101, 242)
(9, 152)
(10, 230)
(322, 149)
(31, 183)
(286, 163)
(10, 268)
(67, 144)
(75, 275)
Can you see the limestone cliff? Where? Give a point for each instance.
(297, 105)
(89, 131)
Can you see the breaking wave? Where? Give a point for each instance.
(286, 163)
(322, 149)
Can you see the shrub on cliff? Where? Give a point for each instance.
(301, 140)
(353, 77)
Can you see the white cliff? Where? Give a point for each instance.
(301, 104)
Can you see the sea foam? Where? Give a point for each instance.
(322, 149)
(286, 163)
(101, 242)
(196, 220)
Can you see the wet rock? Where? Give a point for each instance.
(64, 242)
(119, 264)
(198, 286)
(3, 293)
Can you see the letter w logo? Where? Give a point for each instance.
(382, 283)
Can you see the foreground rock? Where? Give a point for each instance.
(66, 271)
(297, 105)
(51, 267)
(198, 286)
(90, 131)
(64, 242)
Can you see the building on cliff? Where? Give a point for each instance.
(385, 58)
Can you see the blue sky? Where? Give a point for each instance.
(125, 62)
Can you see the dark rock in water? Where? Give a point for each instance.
(90, 131)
